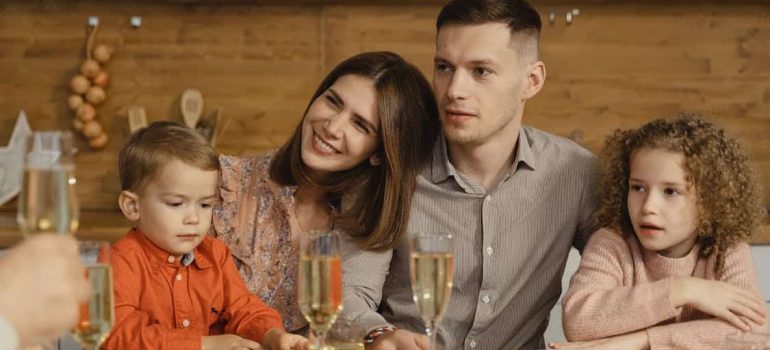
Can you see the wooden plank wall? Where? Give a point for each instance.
(617, 65)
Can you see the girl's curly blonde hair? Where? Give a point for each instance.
(728, 192)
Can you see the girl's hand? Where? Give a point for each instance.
(631, 341)
(720, 299)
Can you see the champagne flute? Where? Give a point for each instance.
(97, 315)
(320, 282)
(431, 269)
(48, 202)
(345, 334)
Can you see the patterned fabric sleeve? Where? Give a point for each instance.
(252, 220)
(235, 175)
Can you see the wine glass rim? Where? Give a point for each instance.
(433, 235)
(93, 242)
(322, 231)
(51, 132)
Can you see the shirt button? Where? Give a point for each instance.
(490, 250)
(485, 298)
(488, 198)
(472, 344)
(171, 259)
(179, 277)
(185, 323)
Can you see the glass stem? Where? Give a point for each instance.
(430, 331)
(320, 340)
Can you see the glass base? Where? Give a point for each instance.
(332, 345)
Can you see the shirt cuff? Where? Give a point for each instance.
(9, 338)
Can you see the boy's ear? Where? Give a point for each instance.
(129, 204)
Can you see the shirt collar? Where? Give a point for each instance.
(159, 258)
(442, 168)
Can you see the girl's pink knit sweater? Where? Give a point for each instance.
(620, 287)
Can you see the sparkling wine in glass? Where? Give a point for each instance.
(320, 282)
(48, 202)
(97, 315)
(345, 334)
(431, 270)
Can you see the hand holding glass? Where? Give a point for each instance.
(97, 315)
(431, 269)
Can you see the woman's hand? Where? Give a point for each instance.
(277, 339)
(400, 339)
(228, 342)
(733, 304)
(631, 341)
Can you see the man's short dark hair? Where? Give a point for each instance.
(518, 15)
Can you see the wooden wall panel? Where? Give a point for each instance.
(247, 60)
(618, 65)
(409, 31)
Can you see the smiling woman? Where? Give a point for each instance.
(351, 164)
(339, 130)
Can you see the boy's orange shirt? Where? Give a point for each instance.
(162, 304)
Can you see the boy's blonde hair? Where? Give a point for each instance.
(148, 149)
(728, 191)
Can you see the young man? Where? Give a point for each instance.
(514, 198)
(175, 286)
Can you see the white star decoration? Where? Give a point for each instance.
(11, 158)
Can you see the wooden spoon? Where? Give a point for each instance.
(192, 107)
(137, 119)
(220, 125)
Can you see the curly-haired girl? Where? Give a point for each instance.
(671, 269)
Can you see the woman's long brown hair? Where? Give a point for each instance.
(380, 197)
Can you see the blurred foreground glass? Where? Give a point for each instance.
(320, 281)
(97, 315)
(48, 202)
(345, 334)
(748, 341)
(431, 270)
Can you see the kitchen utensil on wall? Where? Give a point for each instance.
(137, 119)
(192, 107)
(221, 122)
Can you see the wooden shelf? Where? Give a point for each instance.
(94, 225)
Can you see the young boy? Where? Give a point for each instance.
(174, 285)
